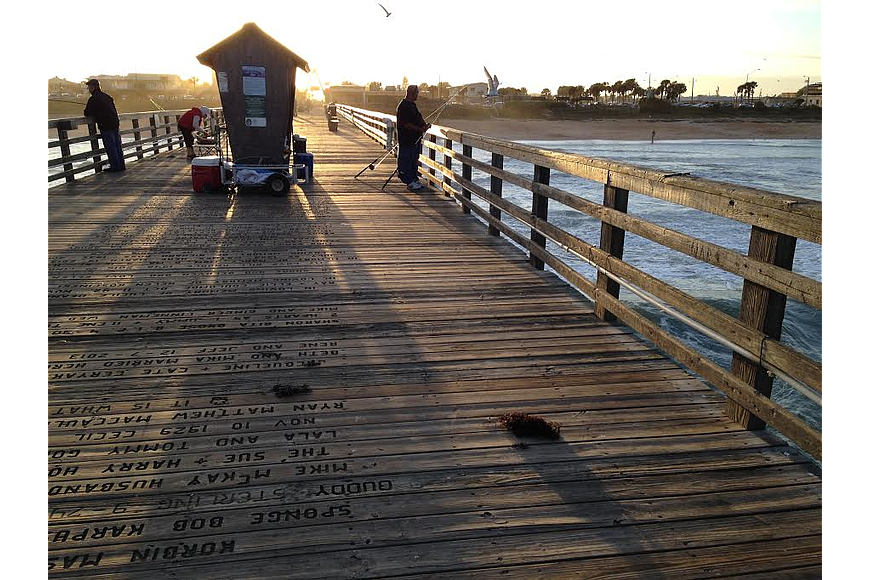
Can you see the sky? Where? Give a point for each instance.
(538, 44)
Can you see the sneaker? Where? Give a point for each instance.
(415, 185)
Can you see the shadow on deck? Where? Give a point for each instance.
(174, 315)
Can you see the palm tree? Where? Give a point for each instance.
(750, 87)
(618, 88)
(663, 88)
(595, 89)
(628, 87)
(675, 90)
(638, 91)
(606, 89)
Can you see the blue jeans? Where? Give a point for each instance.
(407, 162)
(112, 144)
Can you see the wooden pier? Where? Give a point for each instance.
(398, 330)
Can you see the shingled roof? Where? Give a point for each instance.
(249, 29)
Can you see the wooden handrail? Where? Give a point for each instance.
(779, 215)
(156, 134)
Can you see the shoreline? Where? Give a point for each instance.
(637, 129)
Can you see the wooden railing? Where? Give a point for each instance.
(152, 132)
(377, 126)
(753, 337)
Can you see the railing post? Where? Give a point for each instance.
(612, 242)
(180, 138)
(152, 120)
(432, 139)
(495, 188)
(448, 163)
(539, 210)
(466, 174)
(137, 135)
(168, 133)
(761, 309)
(63, 128)
(95, 146)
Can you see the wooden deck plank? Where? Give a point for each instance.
(173, 315)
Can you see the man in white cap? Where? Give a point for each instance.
(192, 121)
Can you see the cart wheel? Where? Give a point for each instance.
(278, 184)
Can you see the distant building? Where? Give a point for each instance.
(473, 91)
(814, 95)
(60, 86)
(148, 83)
(354, 95)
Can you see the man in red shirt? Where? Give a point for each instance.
(192, 121)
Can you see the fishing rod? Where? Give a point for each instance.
(374, 164)
(416, 143)
(64, 101)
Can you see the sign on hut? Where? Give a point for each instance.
(256, 78)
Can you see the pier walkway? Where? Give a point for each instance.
(398, 331)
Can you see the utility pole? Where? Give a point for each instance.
(693, 89)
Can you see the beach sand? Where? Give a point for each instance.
(638, 129)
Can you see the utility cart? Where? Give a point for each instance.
(214, 173)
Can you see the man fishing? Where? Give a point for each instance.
(101, 106)
(192, 121)
(411, 125)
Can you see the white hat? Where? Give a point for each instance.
(205, 111)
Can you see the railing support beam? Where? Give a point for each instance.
(432, 139)
(448, 163)
(466, 174)
(539, 210)
(63, 137)
(152, 120)
(612, 242)
(761, 309)
(495, 184)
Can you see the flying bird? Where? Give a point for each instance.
(385, 10)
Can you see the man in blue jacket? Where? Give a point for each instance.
(102, 108)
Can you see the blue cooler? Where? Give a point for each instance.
(306, 159)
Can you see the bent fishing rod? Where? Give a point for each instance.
(374, 164)
(416, 143)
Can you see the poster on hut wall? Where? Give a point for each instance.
(254, 91)
(223, 82)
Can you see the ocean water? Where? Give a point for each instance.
(787, 166)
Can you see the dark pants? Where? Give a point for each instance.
(188, 136)
(112, 144)
(407, 162)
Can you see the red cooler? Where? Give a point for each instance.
(206, 173)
